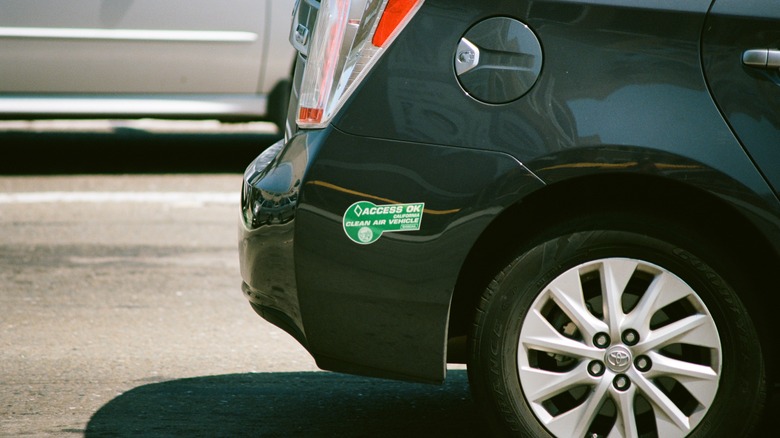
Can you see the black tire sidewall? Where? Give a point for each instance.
(507, 300)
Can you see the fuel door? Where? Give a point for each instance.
(498, 60)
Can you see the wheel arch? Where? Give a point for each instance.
(566, 205)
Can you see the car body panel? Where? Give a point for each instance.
(748, 96)
(577, 98)
(154, 54)
(403, 283)
(568, 118)
(410, 133)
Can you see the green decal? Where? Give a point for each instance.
(364, 222)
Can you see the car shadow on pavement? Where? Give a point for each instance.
(305, 404)
(128, 151)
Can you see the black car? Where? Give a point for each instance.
(577, 198)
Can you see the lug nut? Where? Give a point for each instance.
(596, 368)
(643, 363)
(601, 340)
(621, 382)
(630, 337)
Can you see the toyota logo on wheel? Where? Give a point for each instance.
(618, 358)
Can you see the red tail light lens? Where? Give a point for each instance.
(394, 14)
(348, 38)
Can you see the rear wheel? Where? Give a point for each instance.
(615, 334)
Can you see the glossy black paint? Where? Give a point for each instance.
(269, 199)
(749, 97)
(393, 296)
(621, 116)
(379, 309)
(613, 76)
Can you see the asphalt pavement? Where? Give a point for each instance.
(123, 316)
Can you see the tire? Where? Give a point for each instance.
(665, 343)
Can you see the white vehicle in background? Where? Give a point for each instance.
(226, 59)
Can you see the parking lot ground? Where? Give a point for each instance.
(125, 317)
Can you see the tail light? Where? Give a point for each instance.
(348, 38)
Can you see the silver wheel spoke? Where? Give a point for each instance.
(616, 274)
(664, 290)
(665, 409)
(576, 421)
(665, 366)
(567, 293)
(669, 427)
(701, 381)
(541, 336)
(545, 384)
(694, 330)
(625, 426)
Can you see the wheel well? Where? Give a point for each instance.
(620, 200)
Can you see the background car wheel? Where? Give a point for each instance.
(613, 333)
(278, 103)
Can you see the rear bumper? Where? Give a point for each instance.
(269, 199)
(378, 309)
